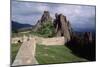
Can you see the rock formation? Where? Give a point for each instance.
(62, 27)
(61, 24)
(44, 19)
(88, 37)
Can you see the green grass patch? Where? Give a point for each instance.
(14, 51)
(35, 34)
(55, 54)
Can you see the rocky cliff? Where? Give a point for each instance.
(62, 26)
(44, 19)
(88, 37)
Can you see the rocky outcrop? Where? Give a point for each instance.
(83, 45)
(62, 27)
(61, 24)
(37, 26)
(44, 19)
(88, 37)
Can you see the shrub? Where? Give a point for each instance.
(46, 29)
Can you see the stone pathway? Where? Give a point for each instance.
(26, 54)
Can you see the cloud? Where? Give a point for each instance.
(30, 12)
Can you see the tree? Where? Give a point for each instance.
(46, 29)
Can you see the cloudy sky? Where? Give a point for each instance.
(30, 12)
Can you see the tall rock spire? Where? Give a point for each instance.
(62, 26)
(45, 18)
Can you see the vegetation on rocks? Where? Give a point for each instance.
(46, 30)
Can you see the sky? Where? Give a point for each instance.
(80, 16)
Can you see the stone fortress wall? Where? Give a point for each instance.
(41, 40)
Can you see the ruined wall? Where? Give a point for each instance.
(42, 41)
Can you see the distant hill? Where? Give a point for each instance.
(84, 30)
(17, 26)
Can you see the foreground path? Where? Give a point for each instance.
(26, 54)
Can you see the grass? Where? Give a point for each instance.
(14, 51)
(36, 34)
(55, 54)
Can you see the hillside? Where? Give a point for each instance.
(17, 26)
